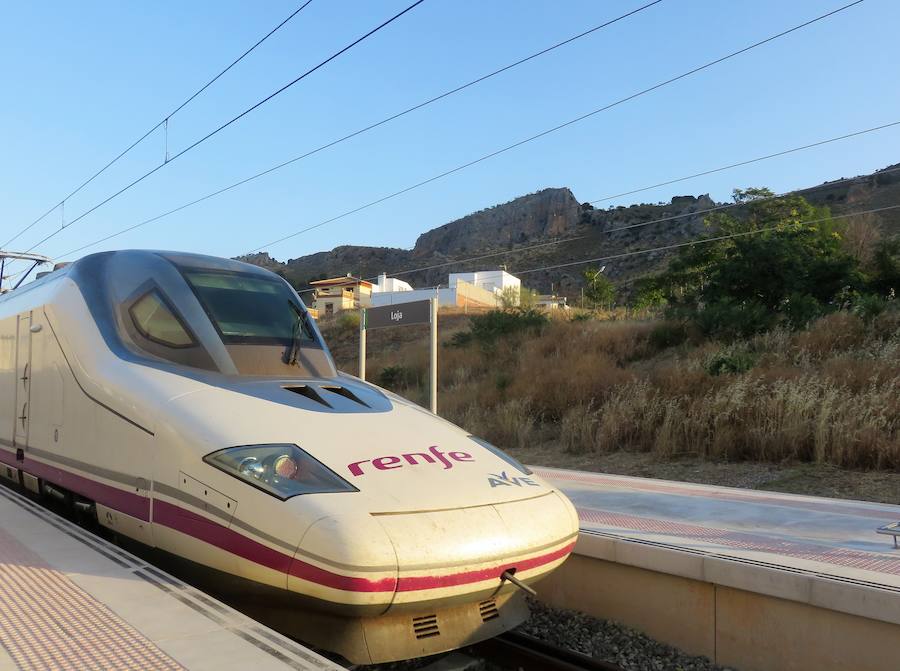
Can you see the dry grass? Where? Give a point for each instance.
(578, 429)
(829, 394)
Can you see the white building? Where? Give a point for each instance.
(387, 284)
(551, 302)
(495, 281)
(481, 289)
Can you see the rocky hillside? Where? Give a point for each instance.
(545, 214)
(503, 231)
(880, 189)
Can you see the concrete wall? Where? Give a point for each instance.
(490, 280)
(742, 629)
(461, 295)
(473, 296)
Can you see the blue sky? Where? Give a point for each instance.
(83, 80)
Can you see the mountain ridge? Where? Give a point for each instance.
(554, 214)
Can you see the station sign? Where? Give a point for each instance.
(401, 314)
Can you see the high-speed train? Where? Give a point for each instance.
(191, 405)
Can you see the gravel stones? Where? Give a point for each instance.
(608, 641)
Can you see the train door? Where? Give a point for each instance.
(23, 380)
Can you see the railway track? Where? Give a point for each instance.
(515, 650)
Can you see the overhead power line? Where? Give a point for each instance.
(162, 122)
(701, 241)
(613, 257)
(674, 217)
(722, 168)
(234, 119)
(660, 220)
(386, 120)
(565, 124)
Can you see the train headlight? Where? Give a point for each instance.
(282, 470)
(503, 455)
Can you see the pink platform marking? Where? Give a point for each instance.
(722, 493)
(744, 541)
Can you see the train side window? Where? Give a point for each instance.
(155, 321)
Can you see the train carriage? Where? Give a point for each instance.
(190, 404)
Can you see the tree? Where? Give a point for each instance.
(518, 297)
(598, 290)
(861, 238)
(528, 298)
(885, 276)
(509, 298)
(785, 263)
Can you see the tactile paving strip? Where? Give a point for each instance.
(744, 541)
(49, 623)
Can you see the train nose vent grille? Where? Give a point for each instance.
(308, 392)
(346, 393)
(425, 626)
(488, 610)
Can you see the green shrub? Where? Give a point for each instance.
(869, 306)
(733, 320)
(801, 309)
(396, 378)
(490, 326)
(460, 339)
(503, 380)
(348, 320)
(667, 334)
(730, 361)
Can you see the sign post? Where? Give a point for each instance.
(434, 353)
(362, 343)
(402, 314)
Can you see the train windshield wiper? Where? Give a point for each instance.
(290, 355)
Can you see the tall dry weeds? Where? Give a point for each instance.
(578, 429)
(829, 394)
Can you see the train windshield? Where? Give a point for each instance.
(202, 313)
(248, 309)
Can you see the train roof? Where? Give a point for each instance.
(137, 255)
(190, 310)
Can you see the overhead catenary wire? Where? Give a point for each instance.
(613, 257)
(565, 124)
(710, 171)
(234, 119)
(640, 224)
(700, 241)
(577, 238)
(386, 120)
(478, 160)
(162, 122)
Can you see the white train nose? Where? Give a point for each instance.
(403, 561)
(348, 560)
(455, 555)
(428, 581)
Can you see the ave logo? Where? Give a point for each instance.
(503, 480)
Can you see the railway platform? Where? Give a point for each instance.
(71, 600)
(750, 579)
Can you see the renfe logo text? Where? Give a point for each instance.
(432, 456)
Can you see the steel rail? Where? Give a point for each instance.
(521, 651)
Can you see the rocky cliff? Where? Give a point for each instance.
(545, 214)
(509, 233)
